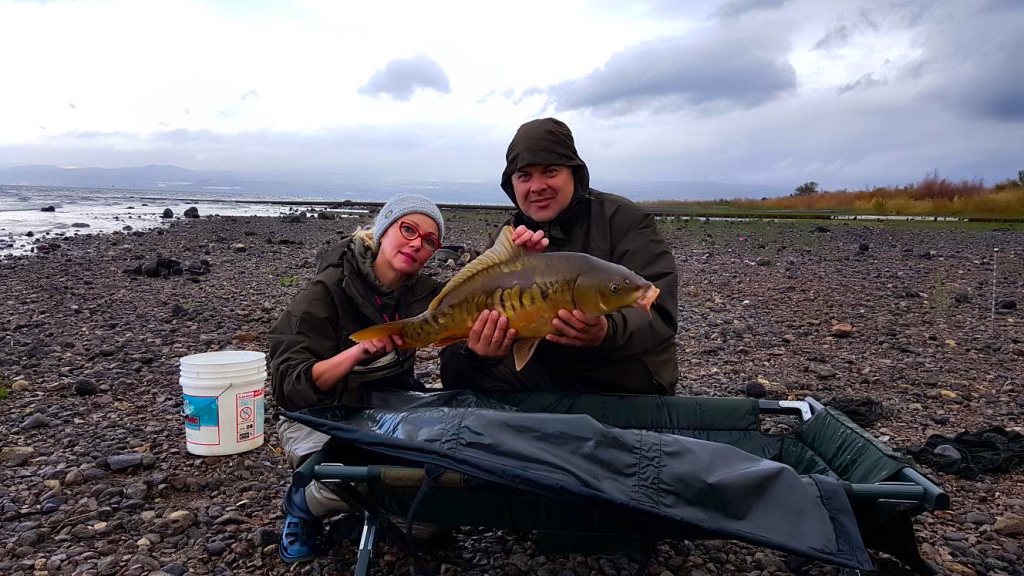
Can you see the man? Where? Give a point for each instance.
(623, 352)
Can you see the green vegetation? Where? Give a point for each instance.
(931, 197)
(807, 188)
(289, 280)
(5, 385)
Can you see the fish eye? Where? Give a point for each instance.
(614, 287)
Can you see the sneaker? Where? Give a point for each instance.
(301, 540)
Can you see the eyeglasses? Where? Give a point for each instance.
(429, 241)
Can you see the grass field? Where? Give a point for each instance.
(931, 197)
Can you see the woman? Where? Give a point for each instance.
(371, 277)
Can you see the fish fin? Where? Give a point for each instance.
(523, 350)
(502, 251)
(379, 331)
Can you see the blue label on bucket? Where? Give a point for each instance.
(200, 411)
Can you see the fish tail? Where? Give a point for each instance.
(380, 331)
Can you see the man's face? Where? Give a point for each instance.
(542, 192)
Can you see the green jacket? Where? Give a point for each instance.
(343, 298)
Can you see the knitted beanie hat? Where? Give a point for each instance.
(402, 205)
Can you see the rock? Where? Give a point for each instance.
(174, 569)
(754, 389)
(35, 421)
(961, 297)
(821, 371)
(246, 337)
(74, 478)
(978, 518)
(1009, 525)
(940, 419)
(820, 230)
(216, 548)
(842, 330)
(48, 209)
(949, 455)
(19, 386)
(864, 247)
(31, 538)
(168, 213)
(763, 261)
(108, 564)
(1006, 305)
(239, 247)
(136, 491)
(175, 524)
(191, 212)
(197, 267)
(266, 536)
(122, 462)
(80, 225)
(959, 569)
(85, 387)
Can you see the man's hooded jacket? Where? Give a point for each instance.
(614, 229)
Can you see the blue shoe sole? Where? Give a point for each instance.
(289, 559)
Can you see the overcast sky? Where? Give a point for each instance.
(847, 93)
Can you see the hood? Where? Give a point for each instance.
(547, 141)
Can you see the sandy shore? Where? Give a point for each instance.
(94, 461)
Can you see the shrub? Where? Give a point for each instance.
(807, 188)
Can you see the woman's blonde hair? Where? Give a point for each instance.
(365, 233)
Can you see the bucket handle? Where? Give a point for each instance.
(208, 404)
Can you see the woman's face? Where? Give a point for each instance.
(405, 255)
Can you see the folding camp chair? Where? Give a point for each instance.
(883, 488)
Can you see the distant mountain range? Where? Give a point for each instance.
(220, 183)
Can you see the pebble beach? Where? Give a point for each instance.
(924, 318)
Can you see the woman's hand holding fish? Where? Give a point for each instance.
(579, 329)
(327, 373)
(377, 347)
(532, 241)
(490, 336)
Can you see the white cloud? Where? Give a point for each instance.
(879, 93)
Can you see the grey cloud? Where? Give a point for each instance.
(250, 94)
(994, 88)
(836, 37)
(737, 8)
(865, 82)
(723, 73)
(402, 77)
(71, 105)
(971, 62)
(875, 16)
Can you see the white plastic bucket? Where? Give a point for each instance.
(203, 381)
(226, 360)
(223, 415)
(237, 374)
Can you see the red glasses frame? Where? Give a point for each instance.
(410, 231)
